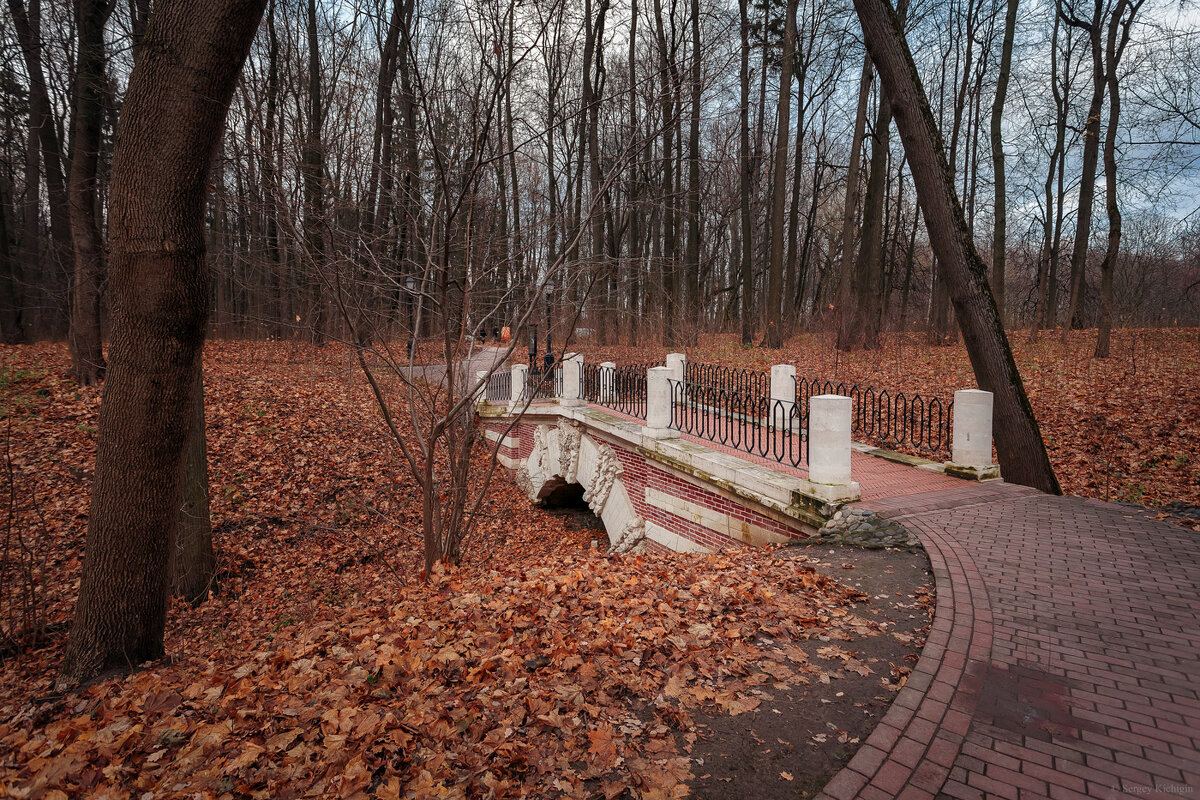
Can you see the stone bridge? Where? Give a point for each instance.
(655, 489)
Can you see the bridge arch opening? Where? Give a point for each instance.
(566, 499)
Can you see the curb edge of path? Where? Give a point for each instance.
(910, 752)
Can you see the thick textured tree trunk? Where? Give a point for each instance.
(87, 354)
(783, 119)
(1000, 221)
(158, 289)
(193, 561)
(1019, 444)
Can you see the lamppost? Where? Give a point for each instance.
(410, 284)
(533, 345)
(548, 359)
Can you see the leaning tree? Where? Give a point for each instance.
(1019, 444)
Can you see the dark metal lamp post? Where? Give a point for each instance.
(548, 359)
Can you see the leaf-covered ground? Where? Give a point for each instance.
(323, 668)
(1125, 428)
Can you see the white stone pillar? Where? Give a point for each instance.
(971, 455)
(519, 372)
(608, 380)
(829, 439)
(481, 378)
(783, 394)
(572, 369)
(659, 403)
(675, 362)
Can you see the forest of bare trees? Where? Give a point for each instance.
(650, 169)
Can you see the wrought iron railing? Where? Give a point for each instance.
(747, 381)
(892, 419)
(747, 421)
(619, 388)
(540, 387)
(499, 387)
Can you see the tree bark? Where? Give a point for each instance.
(845, 288)
(1091, 154)
(313, 169)
(1022, 453)
(747, 266)
(783, 119)
(693, 158)
(87, 354)
(1044, 312)
(193, 561)
(186, 72)
(1118, 36)
(27, 24)
(864, 327)
(669, 122)
(1000, 221)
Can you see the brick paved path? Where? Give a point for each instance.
(1063, 661)
(1064, 656)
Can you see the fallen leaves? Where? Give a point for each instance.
(540, 668)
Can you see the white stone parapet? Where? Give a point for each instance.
(572, 368)
(971, 453)
(659, 403)
(829, 439)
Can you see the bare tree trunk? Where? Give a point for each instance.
(1000, 221)
(87, 354)
(693, 159)
(669, 125)
(1118, 36)
(635, 207)
(12, 329)
(1022, 454)
(159, 295)
(845, 290)
(1091, 154)
(774, 333)
(593, 81)
(1044, 312)
(27, 25)
(747, 165)
(909, 257)
(869, 263)
(313, 169)
(193, 561)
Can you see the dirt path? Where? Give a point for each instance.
(802, 735)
